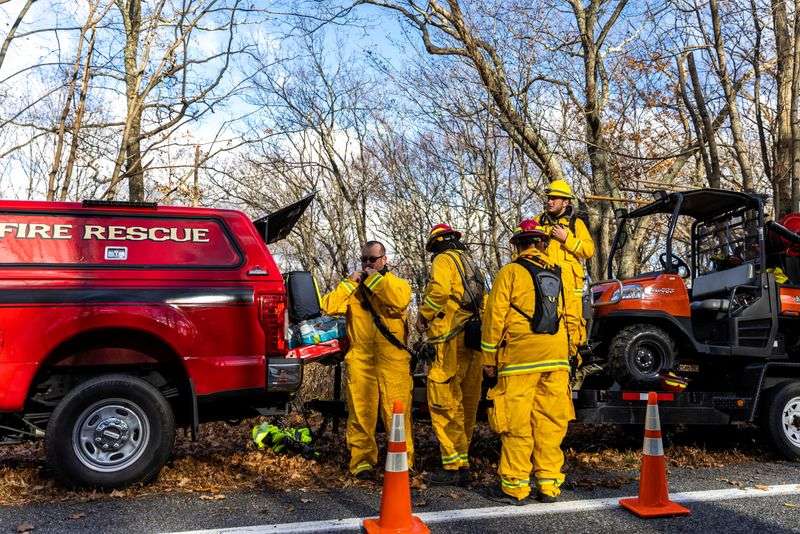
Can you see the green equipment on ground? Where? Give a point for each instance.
(297, 440)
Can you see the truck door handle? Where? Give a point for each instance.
(257, 271)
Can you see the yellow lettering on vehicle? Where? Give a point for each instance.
(151, 234)
(116, 233)
(91, 231)
(137, 233)
(200, 235)
(173, 234)
(38, 230)
(62, 231)
(7, 227)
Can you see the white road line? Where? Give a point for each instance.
(353, 524)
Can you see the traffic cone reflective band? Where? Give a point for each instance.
(396, 515)
(653, 499)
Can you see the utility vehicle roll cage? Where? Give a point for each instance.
(706, 206)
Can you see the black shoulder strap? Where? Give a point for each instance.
(533, 270)
(379, 324)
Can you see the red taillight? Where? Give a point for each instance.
(272, 313)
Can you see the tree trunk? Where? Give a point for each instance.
(693, 115)
(714, 179)
(130, 146)
(78, 120)
(134, 171)
(762, 135)
(795, 114)
(52, 185)
(739, 148)
(782, 161)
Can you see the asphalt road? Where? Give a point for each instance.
(181, 512)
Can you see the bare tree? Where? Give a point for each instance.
(13, 30)
(163, 81)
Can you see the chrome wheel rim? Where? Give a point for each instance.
(110, 435)
(790, 421)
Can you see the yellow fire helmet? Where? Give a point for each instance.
(559, 189)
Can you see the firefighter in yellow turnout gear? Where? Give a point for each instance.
(570, 245)
(454, 378)
(531, 403)
(378, 372)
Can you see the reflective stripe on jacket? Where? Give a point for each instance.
(389, 294)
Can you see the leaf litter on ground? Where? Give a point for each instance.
(224, 460)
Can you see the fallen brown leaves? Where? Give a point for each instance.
(224, 460)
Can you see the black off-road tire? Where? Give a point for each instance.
(781, 419)
(639, 353)
(125, 414)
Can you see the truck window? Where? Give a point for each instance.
(114, 240)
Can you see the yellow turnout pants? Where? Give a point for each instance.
(376, 377)
(454, 402)
(531, 413)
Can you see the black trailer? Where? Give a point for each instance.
(772, 402)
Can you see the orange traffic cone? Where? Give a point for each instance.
(653, 499)
(396, 515)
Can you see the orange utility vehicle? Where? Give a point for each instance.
(708, 308)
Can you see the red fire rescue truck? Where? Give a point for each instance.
(119, 321)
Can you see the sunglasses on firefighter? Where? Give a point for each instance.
(370, 259)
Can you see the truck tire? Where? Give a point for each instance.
(782, 419)
(639, 353)
(109, 432)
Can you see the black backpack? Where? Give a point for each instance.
(548, 288)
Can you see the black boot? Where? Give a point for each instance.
(545, 498)
(366, 474)
(444, 477)
(495, 494)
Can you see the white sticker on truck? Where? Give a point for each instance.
(116, 253)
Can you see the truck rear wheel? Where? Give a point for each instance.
(639, 353)
(782, 419)
(110, 431)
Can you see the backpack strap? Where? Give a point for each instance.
(556, 269)
(521, 262)
(456, 261)
(379, 324)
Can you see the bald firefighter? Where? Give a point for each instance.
(374, 301)
(448, 313)
(525, 345)
(570, 246)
